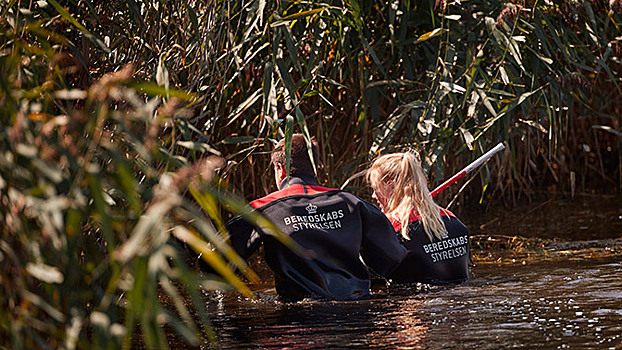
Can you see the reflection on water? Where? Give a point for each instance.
(552, 304)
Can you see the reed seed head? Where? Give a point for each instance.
(509, 14)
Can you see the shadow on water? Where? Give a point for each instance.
(553, 287)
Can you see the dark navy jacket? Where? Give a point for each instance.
(336, 226)
(444, 261)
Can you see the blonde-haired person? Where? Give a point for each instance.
(437, 241)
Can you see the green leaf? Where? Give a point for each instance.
(244, 106)
(67, 16)
(156, 90)
(373, 55)
(269, 93)
(236, 140)
(208, 202)
(287, 80)
(507, 109)
(291, 48)
(287, 145)
(212, 258)
(127, 183)
(193, 20)
(384, 135)
(287, 19)
(305, 132)
(97, 192)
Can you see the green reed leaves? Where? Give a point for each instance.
(96, 166)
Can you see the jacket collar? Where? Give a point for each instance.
(298, 179)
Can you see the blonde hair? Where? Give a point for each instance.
(402, 178)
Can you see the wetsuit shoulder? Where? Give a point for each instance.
(289, 191)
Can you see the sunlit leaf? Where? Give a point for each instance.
(213, 259)
(294, 16)
(468, 138)
(245, 105)
(429, 35)
(454, 88)
(608, 129)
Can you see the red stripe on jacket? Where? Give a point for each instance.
(414, 216)
(294, 189)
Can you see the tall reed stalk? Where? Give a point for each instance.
(127, 127)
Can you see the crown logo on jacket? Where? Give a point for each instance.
(311, 208)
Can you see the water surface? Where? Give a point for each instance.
(566, 303)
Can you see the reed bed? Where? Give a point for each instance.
(129, 127)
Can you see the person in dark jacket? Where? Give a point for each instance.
(437, 241)
(344, 234)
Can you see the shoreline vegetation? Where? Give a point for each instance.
(126, 127)
(512, 250)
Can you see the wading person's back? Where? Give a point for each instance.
(436, 240)
(335, 226)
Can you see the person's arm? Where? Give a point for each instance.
(381, 249)
(245, 239)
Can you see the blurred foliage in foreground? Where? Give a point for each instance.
(98, 170)
(88, 206)
(93, 186)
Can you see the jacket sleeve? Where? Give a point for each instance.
(381, 249)
(245, 239)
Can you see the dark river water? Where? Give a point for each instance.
(549, 277)
(565, 303)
